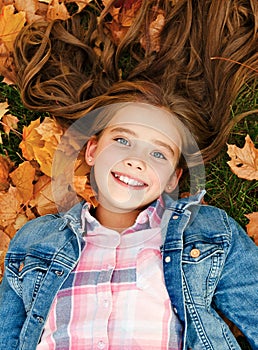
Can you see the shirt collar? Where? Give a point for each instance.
(147, 219)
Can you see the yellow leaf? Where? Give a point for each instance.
(57, 11)
(244, 161)
(84, 190)
(9, 123)
(10, 206)
(31, 139)
(43, 199)
(3, 109)
(252, 226)
(10, 25)
(22, 178)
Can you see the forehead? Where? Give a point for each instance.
(151, 118)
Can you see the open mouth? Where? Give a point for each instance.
(128, 181)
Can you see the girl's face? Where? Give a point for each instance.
(135, 158)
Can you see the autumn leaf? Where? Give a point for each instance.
(10, 25)
(84, 190)
(10, 206)
(154, 33)
(31, 140)
(57, 10)
(43, 200)
(40, 140)
(5, 166)
(7, 68)
(252, 226)
(30, 8)
(22, 178)
(123, 14)
(10, 122)
(244, 161)
(3, 109)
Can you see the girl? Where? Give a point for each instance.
(144, 270)
(141, 271)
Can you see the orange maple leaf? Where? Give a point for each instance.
(10, 25)
(5, 166)
(30, 140)
(252, 226)
(22, 178)
(10, 206)
(84, 190)
(43, 200)
(40, 140)
(244, 161)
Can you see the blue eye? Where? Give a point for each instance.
(159, 155)
(122, 140)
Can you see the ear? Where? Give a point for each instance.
(91, 148)
(172, 183)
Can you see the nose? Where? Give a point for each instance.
(135, 164)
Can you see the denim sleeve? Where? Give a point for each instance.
(12, 316)
(236, 295)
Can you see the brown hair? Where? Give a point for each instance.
(208, 51)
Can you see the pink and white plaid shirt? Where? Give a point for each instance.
(116, 297)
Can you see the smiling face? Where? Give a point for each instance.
(135, 157)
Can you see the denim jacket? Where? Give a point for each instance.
(209, 264)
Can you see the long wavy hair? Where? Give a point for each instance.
(207, 53)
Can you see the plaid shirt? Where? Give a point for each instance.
(116, 297)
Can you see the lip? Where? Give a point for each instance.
(128, 181)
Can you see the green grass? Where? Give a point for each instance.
(224, 189)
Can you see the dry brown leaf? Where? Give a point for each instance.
(10, 25)
(123, 14)
(22, 178)
(3, 109)
(252, 226)
(81, 4)
(7, 68)
(10, 206)
(244, 161)
(10, 122)
(29, 7)
(5, 166)
(43, 198)
(4, 241)
(154, 33)
(57, 10)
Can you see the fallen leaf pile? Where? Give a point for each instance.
(26, 191)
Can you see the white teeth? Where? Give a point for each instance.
(128, 181)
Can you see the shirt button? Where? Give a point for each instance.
(167, 259)
(195, 253)
(101, 345)
(106, 303)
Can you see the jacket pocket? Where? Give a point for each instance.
(25, 275)
(202, 265)
(197, 251)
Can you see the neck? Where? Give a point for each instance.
(116, 221)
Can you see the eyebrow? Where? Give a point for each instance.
(132, 133)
